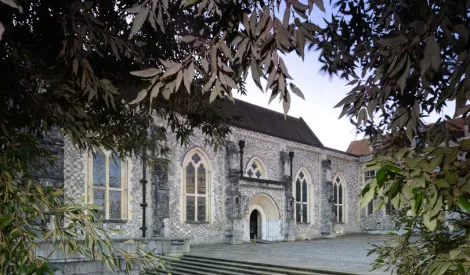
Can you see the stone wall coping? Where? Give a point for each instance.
(140, 239)
(302, 146)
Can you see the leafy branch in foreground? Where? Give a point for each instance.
(406, 60)
(67, 65)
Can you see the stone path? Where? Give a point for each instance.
(346, 253)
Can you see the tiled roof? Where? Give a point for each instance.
(258, 119)
(360, 147)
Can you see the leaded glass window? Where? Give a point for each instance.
(255, 169)
(301, 197)
(338, 197)
(196, 187)
(107, 184)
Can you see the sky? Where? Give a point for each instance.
(321, 92)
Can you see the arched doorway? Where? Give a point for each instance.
(263, 219)
(255, 225)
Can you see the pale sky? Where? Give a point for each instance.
(322, 93)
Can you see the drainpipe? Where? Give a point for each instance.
(241, 145)
(144, 193)
(291, 157)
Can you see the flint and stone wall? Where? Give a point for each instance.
(228, 190)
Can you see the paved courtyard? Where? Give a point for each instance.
(345, 254)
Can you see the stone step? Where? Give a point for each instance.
(257, 266)
(231, 270)
(245, 268)
(177, 270)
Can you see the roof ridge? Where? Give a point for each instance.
(311, 132)
(267, 109)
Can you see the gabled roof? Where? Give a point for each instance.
(360, 147)
(258, 119)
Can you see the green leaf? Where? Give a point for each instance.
(464, 203)
(418, 203)
(296, 91)
(429, 222)
(367, 197)
(454, 253)
(6, 221)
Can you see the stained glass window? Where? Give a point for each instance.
(190, 179)
(190, 208)
(338, 196)
(201, 180)
(107, 184)
(301, 198)
(99, 170)
(115, 171)
(196, 187)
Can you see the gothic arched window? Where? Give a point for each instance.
(338, 195)
(255, 169)
(301, 196)
(107, 184)
(196, 187)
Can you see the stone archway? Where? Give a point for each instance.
(270, 220)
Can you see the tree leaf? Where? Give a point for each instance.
(13, 4)
(139, 20)
(139, 97)
(160, 19)
(173, 70)
(319, 4)
(286, 104)
(134, 9)
(454, 253)
(296, 91)
(150, 72)
(402, 80)
(285, 20)
(214, 93)
(393, 41)
(179, 78)
(205, 64)
(226, 50)
(155, 91)
(74, 66)
(188, 38)
(2, 30)
(188, 77)
(464, 203)
(283, 67)
(367, 197)
(255, 74)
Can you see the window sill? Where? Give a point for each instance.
(191, 222)
(303, 223)
(114, 221)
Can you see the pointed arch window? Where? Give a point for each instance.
(256, 169)
(301, 197)
(196, 187)
(107, 184)
(338, 196)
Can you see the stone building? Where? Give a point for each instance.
(272, 180)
